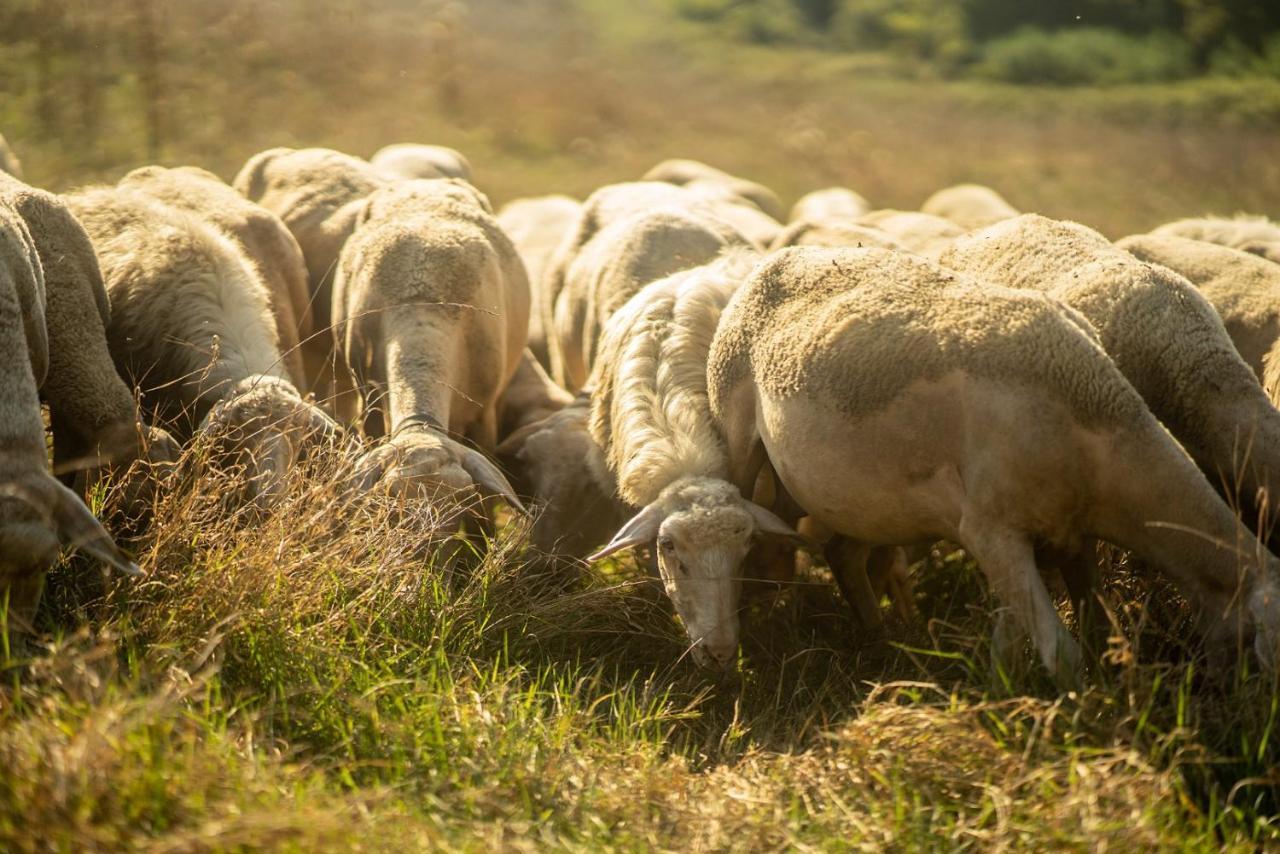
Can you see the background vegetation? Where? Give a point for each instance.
(316, 679)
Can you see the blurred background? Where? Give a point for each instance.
(1119, 113)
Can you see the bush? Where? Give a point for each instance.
(933, 30)
(1234, 59)
(1085, 57)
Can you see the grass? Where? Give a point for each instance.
(322, 678)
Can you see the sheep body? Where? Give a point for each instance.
(259, 234)
(191, 326)
(537, 226)
(1255, 234)
(969, 206)
(617, 262)
(431, 307)
(1243, 288)
(900, 402)
(829, 203)
(409, 160)
(681, 172)
(1163, 334)
(37, 514)
(833, 232)
(924, 234)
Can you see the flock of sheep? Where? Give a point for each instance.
(666, 366)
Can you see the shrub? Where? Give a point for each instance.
(1084, 57)
(1234, 59)
(933, 30)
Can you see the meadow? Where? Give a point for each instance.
(317, 678)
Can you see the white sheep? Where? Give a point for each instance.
(741, 213)
(529, 397)
(1163, 334)
(617, 262)
(921, 233)
(650, 414)
(9, 162)
(681, 172)
(833, 232)
(1243, 288)
(537, 226)
(901, 402)
(1255, 234)
(38, 515)
(409, 160)
(191, 328)
(316, 193)
(258, 233)
(969, 206)
(431, 309)
(97, 429)
(828, 204)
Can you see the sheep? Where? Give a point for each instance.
(191, 328)
(921, 233)
(1164, 335)
(408, 160)
(97, 429)
(901, 402)
(828, 204)
(9, 162)
(649, 413)
(431, 308)
(315, 192)
(681, 172)
(1243, 288)
(38, 515)
(536, 226)
(969, 206)
(1255, 234)
(616, 263)
(832, 232)
(529, 397)
(741, 213)
(257, 232)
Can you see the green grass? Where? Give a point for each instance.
(323, 678)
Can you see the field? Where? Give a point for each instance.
(317, 678)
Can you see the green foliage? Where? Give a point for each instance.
(932, 30)
(1235, 60)
(1085, 56)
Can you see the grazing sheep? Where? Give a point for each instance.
(681, 172)
(536, 226)
(38, 515)
(431, 309)
(9, 163)
(1244, 288)
(529, 397)
(900, 402)
(832, 233)
(830, 203)
(616, 263)
(751, 222)
(1255, 234)
(1164, 335)
(97, 430)
(921, 233)
(650, 415)
(191, 328)
(969, 206)
(408, 160)
(316, 193)
(257, 232)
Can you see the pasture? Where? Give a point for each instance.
(318, 677)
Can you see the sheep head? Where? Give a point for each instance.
(118, 449)
(421, 462)
(263, 426)
(38, 517)
(704, 528)
(557, 463)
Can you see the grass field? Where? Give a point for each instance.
(318, 679)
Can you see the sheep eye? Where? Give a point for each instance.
(666, 544)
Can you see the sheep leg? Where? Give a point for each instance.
(848, 561)
(888, 571)
(1008, 561)
(1079, 571)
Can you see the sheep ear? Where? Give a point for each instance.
(513, 443)
(78, 529)
(642, 528)
(490, 480)
(770, 525)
